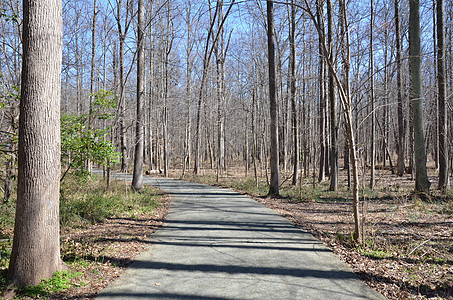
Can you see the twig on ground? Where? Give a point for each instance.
(413, 250)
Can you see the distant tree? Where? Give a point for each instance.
(36, 245)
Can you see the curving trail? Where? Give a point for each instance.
(218, 244)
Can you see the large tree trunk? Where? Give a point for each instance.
(443, 147)
(273, 187)
(36, 245)
(137, 178)
(400, 164)
(422, 183)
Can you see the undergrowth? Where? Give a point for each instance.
(60, 281)
(83, 201)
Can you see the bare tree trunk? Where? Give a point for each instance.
(400, 164)
(137, 177)
(443, 147)
(274, 185)
(294, 123)
(93, 65)
(36, 245)
(322, 98)
(346, 102)
(187, 143)
(422, 183)
(92, 77)
(255, 151)
(333, 105)
(206, 60)
(219, 53)
(168, 47)
(372, 100)
(122, 31)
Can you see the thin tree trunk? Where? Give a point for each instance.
(187, 144)
(372, 99)
(273, 128)
(333, 105)
(400, 163)
(137, 177)
(294, 123)
(321, 97)
(443, 147)
(93, 65)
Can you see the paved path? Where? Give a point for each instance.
(218, 244)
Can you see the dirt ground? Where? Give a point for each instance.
(101, 252)
(407, 249)
(407, 252)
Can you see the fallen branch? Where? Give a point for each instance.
(418, 246)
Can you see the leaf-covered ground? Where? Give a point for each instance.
(96, 253)
(407, 251)
(407, 248)
(102, 251)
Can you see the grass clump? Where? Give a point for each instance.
(250, 186)
(60, 281)
(85, 201)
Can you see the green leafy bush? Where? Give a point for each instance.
(80, 142)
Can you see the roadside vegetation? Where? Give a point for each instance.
(101, 231)
(406, 251)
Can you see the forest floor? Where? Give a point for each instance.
(96, 248)
(407, 246)
(406, 253)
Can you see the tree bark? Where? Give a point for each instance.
(373, 109)
(36, 246)
(294, 123)
(93, 65)
(322, 94)
(137, 177)
(422, 183)
(274, 186)
(333, 105)
(443, 147)
(400, 163)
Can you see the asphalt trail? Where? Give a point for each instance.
(217, 244)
